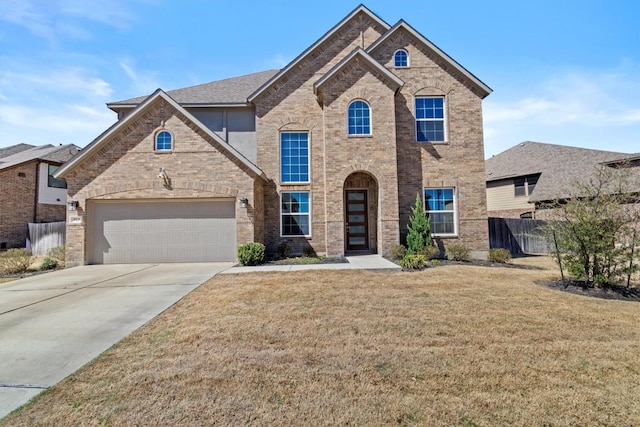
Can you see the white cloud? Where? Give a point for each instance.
(595, 110)
(52, 19)
(142, 82)
(63, 80)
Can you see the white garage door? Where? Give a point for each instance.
(162, 231)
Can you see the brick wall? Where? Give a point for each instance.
(459, 162)
(400, 166)
(18, 201)
(126, 167)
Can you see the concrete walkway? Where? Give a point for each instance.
(356, 262)
(53, 324)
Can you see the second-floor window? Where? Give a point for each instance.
(430, 119)
(55, 182)
(294, 157)
(359, 114)
(524, 186)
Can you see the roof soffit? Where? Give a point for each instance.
(360, 9)
(484, 89)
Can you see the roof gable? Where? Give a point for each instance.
(360, 9)
(141, 108)
(483, 88)
(358, 54)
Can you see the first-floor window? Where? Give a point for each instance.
(294, 213)
(440, 208)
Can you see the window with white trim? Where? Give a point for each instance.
(430, 119)
(524, 186)
(294, 157)
(440, 207)
(401, 59)
(359, 118)
(164, 141)
(54, 182)
(295, 213)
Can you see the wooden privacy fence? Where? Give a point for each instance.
(45, 236)
(519, 236)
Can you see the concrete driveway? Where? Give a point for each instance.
(53, 324)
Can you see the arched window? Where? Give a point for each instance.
(164, 141)
(359, 118)
(401, 58)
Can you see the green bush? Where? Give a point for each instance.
(413, 261)
(458, 252)
(418, 229)
(57, 253)
(15, 261)
(397, 252)
(309, 252)
(430, 252)
(284, 250)
(499, 255)
(435, 262)
(49, 264)
(251, 253)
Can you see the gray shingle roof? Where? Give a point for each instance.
(8, 151)
(560, 166)
(228, 91)
(50, 153)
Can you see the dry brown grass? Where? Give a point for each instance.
(453, 345)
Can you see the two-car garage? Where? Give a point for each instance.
(154, 231)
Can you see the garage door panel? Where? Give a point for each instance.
(181, 231)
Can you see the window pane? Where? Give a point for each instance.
(518, 184)
(430, 131)
(294, 157)
(430, 108)
(55, 182)
(295, 214)
(359, 118)
(440, 206)
(400, 58)
(441, 223)
(163, 141)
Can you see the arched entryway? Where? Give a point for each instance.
(361, 213)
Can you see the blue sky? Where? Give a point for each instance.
(562, 71)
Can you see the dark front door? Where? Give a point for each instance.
(357, 235)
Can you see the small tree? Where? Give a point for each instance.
(419, 229)
(594, 234)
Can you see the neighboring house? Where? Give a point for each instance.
(28, 190)
(329, 151)
(523, 178)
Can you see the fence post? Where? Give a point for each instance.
(633, 246)
(555, 242)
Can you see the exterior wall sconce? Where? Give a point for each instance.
(166, 181)
(244, 203)
(72, 205)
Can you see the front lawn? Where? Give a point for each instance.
(453, 345)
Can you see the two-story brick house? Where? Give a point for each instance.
(330, 151)
(28, 190)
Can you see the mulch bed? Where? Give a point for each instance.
(617, 292)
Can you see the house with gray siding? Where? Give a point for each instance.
(522, 180)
